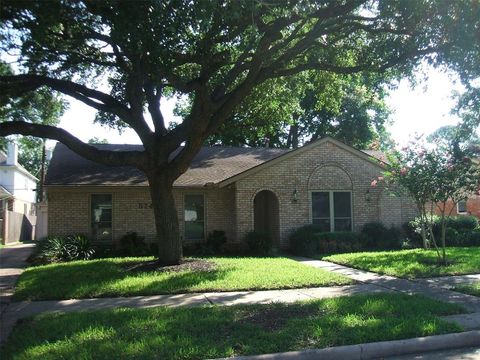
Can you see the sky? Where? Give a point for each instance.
(419, 110)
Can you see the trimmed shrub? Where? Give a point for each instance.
(460, 231)
(462, 223)
(375, 235)
(133, 245)
(466, 238)
(215, 240)
(338, 242)
(412, 238)
(153, 247)
(259, 243)
(303, 241)
(214, 245)
(309, 240)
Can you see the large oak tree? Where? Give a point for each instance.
(122, 57)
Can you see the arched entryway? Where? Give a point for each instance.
(265, 214)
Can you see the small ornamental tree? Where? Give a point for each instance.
(434, 175)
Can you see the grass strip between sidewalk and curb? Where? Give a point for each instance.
(213, 331)
(470, 289)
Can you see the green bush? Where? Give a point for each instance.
(338, 242)
(376, 236)
(463, 223)
(309, 240)
(303, 241)
(259, 243)
(133, 245)
(215, 240)
(79, 248)
(214, 245)
(465, 239)
(59, 249)
(413, 239)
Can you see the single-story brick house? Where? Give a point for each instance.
(226, 188)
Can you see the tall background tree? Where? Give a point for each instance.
(290, 112)
(122, 57)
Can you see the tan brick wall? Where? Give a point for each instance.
(324, 167)
(69, 210)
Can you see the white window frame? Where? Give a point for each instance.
(331, 204)
(458, 209)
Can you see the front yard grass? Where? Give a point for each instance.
(471, 289)
(108, 278)
(213, 332)
(417, 263)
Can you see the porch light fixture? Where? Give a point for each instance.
(295, 196)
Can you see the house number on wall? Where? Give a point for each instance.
(144, 205)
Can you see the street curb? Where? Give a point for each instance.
(378, 349)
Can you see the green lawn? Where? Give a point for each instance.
(472, 289)
(211, 332)
(107, 277)
(412, 263)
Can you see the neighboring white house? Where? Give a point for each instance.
(17, 185)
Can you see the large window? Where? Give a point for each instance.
(194, 217)
(101, 217)
(332, 210)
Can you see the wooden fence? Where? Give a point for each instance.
(17, 227)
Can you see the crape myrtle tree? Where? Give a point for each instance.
(437, 175)
(122, 57)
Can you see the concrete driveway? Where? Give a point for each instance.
(12, 264)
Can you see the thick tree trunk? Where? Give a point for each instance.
(166, 220)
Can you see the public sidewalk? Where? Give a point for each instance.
(22, 309)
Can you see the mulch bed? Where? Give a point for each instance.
(185, 265)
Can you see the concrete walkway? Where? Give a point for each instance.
(12, 264)
(449, 282)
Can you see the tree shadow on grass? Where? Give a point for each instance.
(211, 332)
(102, 278)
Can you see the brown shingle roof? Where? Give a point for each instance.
(211, 165)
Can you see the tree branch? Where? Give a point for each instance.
(114, 158)
(20, 84)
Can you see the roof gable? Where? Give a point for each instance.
(376, 160)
